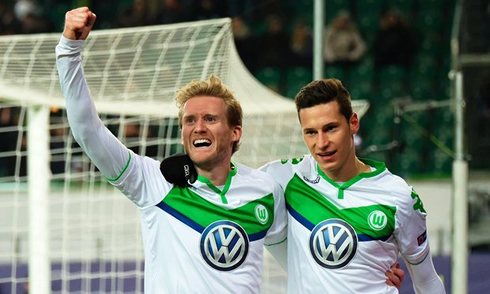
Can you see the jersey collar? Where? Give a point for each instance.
(226, 187)
(378, 165)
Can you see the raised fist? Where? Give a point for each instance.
(78, 23)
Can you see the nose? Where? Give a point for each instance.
(199, 127)
(322, 141)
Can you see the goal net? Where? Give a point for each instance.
(64, 228)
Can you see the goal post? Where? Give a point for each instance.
(57, 211)
(38, 182)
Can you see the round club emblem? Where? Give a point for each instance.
(261, 214)
(377, 220)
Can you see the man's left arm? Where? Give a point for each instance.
(425, 278)
(413, 243)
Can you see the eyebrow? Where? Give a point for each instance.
(331, 124)
(207, 115)
(327, 125)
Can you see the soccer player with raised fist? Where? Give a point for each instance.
(207, 237)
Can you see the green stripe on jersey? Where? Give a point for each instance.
(316, 208)
(250, 216)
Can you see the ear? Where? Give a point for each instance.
(354, 124)
(237, 133)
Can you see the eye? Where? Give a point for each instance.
(189, 120)
(330, 128)
(210, 119)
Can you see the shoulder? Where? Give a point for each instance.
(404, 194)
(283, 170)
(258, 180)
(383, 179)
(290, 165)
(398, 184)
(246, 172)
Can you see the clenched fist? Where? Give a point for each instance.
(78, 23)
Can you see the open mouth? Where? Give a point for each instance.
(201, 143)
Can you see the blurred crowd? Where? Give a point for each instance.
(283, 35)
(378, 51)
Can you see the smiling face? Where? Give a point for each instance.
(329, 137)
(206, 134)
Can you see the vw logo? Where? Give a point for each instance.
(224, 245)
(333, 243)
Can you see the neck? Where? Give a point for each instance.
(349, 171)
(217, 174)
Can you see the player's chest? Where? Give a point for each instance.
(369, 215)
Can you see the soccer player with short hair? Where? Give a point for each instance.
(207, 238)
(348, 218)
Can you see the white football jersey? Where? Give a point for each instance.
(342, 238)
(202, 239)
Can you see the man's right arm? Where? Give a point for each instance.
(107, 153)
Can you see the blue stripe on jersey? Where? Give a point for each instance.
(302, 220)
(310, 226)
(197, 227)
(364, 237)
(165, 207)
(257, 236)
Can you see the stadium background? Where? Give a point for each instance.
(426, 79)
(419, 155)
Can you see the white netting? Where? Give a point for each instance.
(94, 232)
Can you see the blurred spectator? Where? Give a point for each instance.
(57, 137)
(207, 9)
(274, 45)
(172, 11)
(343, 44)
(483, 105)
(134, 16)
(7, 142)
(11, 141)
(35, 24)
(30, 17)
(9, 24)
(301, 46)
(24, 7)
(243, 8)
(487, 26)
(263, 9)
(243, 42)
(131, 136)
(57, 146)
(395, 42)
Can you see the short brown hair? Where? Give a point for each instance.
(324, 91)
(215, 88)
